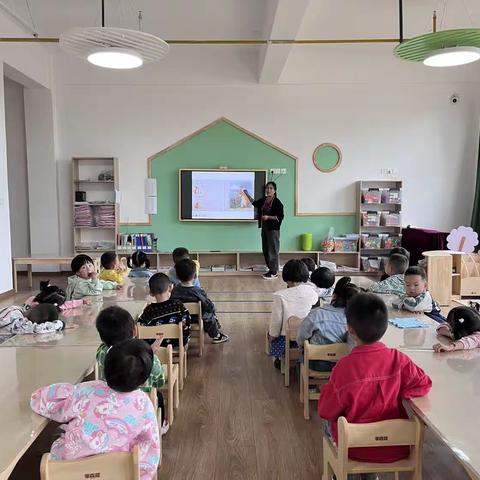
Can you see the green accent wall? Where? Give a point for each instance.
(222, 144)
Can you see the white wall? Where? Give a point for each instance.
(395, 118)
(17, 168)
(29, 65)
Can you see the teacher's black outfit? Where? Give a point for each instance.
(270, 230)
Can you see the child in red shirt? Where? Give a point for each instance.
(369, 384)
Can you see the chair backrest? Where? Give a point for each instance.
(396, 432)
(331, 352)
(169, 331)
(194, 308)
(116, 465)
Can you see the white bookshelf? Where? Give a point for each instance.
(92, 233)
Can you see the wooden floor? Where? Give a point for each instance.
(236, 419)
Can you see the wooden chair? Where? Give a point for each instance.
(116, 465)
(165, 355)
(170, 331)
(292, 354)
(330, 353)
(378, 434)
(196, 309)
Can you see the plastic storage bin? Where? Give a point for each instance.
(344, 244)
(391, 241)
(370, 264)
(391, 196)
(390, 219)
(371, 195)
(370, 219)
(371, 241)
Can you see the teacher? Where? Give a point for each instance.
(270, 216)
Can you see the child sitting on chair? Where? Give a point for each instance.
(181, 253)
(369, 384)
(85, 280)
(101, 417)
(187, 292)
(462, 328)
(417, 298)
(112, 270)
(115, 325)
(165, 310)
(139, 265)
(322, 279)
(328, 324)
(396, 266)
(393, 251)
(295, 300)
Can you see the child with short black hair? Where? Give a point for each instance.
(112, 270)
(462, 328)
(85, 280)
(116, 325)
(310, 264)
(178, 254)
(369, 384)
(417, 298)
(322, 279)
(297, 299)
(165, 310)
(394, 251)
(328, 323)
(139, 265)
(118, 415)
(187, 292)
(396, 266)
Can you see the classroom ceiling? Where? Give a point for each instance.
(243, 19)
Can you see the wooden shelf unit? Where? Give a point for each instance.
(94, 239)
(241, 260)
(377, 207)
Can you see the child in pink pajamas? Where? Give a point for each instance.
(103, 417)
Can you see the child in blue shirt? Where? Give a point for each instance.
(328, 324)
(181, 253)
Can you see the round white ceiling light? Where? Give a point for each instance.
(118, 48)
(452, 57)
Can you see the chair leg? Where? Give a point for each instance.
(176, 394)
(201, 340)
(301, 383)
(282, 365)
(306, 396)
(185, 365)
(180, 373)
(171, 403)
(287, 366)
(267, 344)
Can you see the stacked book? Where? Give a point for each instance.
(83, 216)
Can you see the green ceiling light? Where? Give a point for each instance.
(447, 48)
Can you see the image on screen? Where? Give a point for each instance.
(220, 195)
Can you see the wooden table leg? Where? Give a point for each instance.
(30, 276)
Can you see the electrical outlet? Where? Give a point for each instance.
(283, 171)
(275, 171)
(388, 171)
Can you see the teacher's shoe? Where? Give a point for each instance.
(220, 338)
(270, 276)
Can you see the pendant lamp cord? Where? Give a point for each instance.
(400, 20)
(103, 13)
(31, 19)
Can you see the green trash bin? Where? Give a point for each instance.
(307, 242)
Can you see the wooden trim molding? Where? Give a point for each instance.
(7, 294)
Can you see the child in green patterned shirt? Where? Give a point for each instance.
(395, 284)
(114, 325)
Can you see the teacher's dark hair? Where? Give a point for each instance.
(273, 184)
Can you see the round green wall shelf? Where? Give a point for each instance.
(418, 48)
(327, 157)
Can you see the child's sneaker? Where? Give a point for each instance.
(164, 428)
(220, 338)
(270, 275)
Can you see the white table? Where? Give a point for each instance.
(23, 371)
